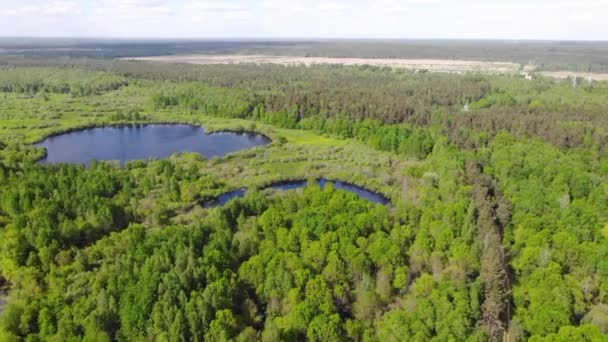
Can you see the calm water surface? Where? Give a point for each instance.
(124, 143)
(357, 190)
(221, 200)
(292, 185)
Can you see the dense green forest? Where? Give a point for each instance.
(498, 227)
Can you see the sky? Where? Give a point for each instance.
(477, 19)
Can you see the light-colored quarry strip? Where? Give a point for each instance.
(571, 74)
(436, 65)
(433, 65)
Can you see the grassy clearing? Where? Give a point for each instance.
(32, 118)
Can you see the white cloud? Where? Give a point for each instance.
(535, 19)
(332, 6)
(52, 8)
(215, 6)
(62, 7)
(579, 4)
(132, 8)
(132, 3)
(20, 11)
(389, 6)
(268, 4)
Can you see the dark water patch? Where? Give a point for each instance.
(340, 185)
(288, 185)
(222, 199)
(297, 184)
(4, 292)
(136, 142)
(357, 190)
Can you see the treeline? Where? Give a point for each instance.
(401, 139)
(552, 111)
(545, 55)
(557, 113)
(365, 93)
(200, 99)
(415, 142)
(70, 81)
(470, 109)
(358, 92)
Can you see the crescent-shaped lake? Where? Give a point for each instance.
(363, 193)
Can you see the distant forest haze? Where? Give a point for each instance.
(545, 55)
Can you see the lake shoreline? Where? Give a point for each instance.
(150, 140)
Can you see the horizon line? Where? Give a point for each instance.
(275, 38)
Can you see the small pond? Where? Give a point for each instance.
(132, 142)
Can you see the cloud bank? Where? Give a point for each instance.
(503, 19)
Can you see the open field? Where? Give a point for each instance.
(435, 65)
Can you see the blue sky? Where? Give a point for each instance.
(503, 19)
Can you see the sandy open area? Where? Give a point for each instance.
(436, 65)
(571, 74)
(433, 65)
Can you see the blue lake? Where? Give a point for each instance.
(133, 142)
